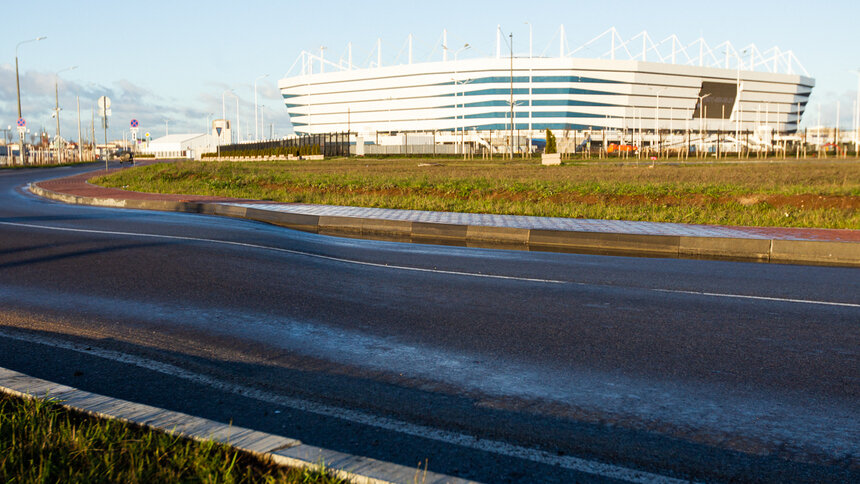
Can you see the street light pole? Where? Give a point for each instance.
(456, 81)
(657, 124)
(263, 119)
(224, 113)
(256, 133)
(738, 104)
(18, 89)
(857, 117)
(657, 118)
(511, 36)
(701, 122)
(531, 108)
(57, 107)
(80, 143)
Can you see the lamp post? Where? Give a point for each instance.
(531, 108)
(456, 81)
(80, 143)
(238, 125)
(657, 118)
(18, 89)
(511, 35)
(6, 132)
(256, 133)
(738, 102)
(701, 121)
(57, 107)
(856, 116)
(263, 119)
(224, 112)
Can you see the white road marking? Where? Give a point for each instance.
(421, 269)
(288, 251)
(421, 431)
(761, 298)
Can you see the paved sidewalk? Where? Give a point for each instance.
(619, 237)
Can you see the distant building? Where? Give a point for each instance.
(664, 85)
(180, 145)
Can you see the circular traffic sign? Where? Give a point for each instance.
(133, 123)
(104, 102)
(21, 123)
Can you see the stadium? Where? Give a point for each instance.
(656, 91)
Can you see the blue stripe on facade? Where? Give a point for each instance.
(537, 90)
(537, 114)
(565, 114)
(568, 90)
(537, 102)
(535, 126)
(568, 102)
(507, 79)
(490, 92)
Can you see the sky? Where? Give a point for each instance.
(171, 64)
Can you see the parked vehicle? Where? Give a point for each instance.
(123, 156)
(613, 147)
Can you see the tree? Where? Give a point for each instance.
(550, 142)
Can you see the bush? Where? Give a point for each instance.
(550, 142)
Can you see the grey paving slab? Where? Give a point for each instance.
(544, 223)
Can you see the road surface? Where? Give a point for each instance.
(498, 366)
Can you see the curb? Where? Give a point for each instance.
(807, 252)
(281, 450)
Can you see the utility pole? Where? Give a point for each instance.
(256, 134)
(511, 35)
(21, 149)
(104, 117)
(93, 134)
(857, 117)
(80, 141)
(57, 108)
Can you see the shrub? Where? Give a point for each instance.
(550, 142)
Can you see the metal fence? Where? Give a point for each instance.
(329, 144)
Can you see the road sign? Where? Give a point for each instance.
(147, 135)
(133, 123)
(218, 130)
(104, 103)
(21, 123)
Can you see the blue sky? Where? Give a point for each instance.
(160, 60)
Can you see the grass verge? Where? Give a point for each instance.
(816, 193)
(41, 441)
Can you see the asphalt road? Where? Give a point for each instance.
(499, 366)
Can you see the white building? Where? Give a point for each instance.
(180, 145)
(665, 85)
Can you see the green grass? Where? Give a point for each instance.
(817, 193)
(41, 442)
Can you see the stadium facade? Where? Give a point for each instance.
(720, 90)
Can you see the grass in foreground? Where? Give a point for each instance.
(41, 441)
(802, 194)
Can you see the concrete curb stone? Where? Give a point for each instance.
(810, 252)
(282, 450)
